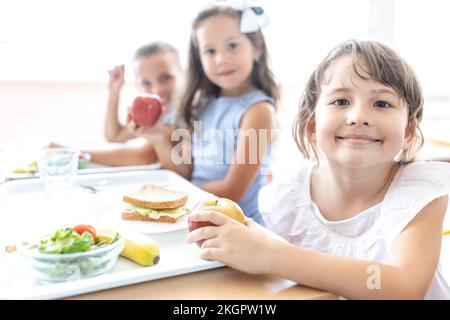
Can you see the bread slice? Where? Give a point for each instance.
(155, 197)
(168, 215)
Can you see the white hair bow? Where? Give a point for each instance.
(253, 16)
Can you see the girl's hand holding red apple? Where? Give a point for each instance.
(150, 133)
(145, 117)
(242, 247)
(146, 110)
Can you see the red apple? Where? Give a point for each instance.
(225, 206)
(146, 110)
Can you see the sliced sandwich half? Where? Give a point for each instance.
(154, 203)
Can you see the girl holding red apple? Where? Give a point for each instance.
(227, 113)
(157, 71)
(363, 219)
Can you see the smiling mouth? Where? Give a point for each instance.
(226, 73)
(358, 139)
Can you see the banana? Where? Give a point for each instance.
(140, 249)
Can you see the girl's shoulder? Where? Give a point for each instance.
(246, 100)
(421, 178)
(414, 186)
(256, 96)
(426, 170)
(229, 111)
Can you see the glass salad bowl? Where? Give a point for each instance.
(60, 266)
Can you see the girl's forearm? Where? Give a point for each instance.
(164, 149)
(347, 277)
(114, 131)
(125, 156)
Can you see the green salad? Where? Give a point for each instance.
(73, 253)
(71, 240)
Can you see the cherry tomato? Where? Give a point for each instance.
(81, 228)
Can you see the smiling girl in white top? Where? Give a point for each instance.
(363, 221)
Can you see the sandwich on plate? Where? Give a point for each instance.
(154, 203)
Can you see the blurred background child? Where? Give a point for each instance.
(228, 107)
(157, 70)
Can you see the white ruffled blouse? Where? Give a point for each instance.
(288, 210)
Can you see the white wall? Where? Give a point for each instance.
(54, 59)
(51, 110)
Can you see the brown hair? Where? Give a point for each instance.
(154, 48)
(384, 66)
(200, 88)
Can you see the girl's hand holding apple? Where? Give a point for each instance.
(145, 116)
(231, 242)
(146, 110)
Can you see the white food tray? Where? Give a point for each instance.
(91, 169)
(176, 258)
(26, 212)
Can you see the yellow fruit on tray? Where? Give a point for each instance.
(223, 205)
(141, 249)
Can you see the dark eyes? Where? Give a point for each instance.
(230, 46)
(166, 78)
(146, 83)
(341, 102)
(381, 104)
(209, 52)
(233, 45)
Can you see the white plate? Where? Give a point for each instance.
(112, 217)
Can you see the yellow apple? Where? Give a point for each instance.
(223, 205)
(227, 207)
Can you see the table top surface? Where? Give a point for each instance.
(216, 284)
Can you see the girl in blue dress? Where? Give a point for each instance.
(227, 117)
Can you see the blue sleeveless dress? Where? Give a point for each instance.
(169, 116)
(214, 144)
